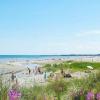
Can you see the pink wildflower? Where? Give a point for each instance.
(98, 96)
(90, 96)
(14, 95)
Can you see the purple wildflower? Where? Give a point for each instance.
(98, 96)
(90, 96)
(14, 95)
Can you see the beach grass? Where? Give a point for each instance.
(74, 66)
(3, 90)
(60, 88)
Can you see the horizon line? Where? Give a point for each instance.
(48, 54)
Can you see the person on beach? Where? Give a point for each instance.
(14, 94)
(39, 71)
(29, 70)
(62, 71)
(45, 76)
(13, 77)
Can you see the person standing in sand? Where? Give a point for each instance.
(45, 76)
(39, 71)
(13, 77)
(29, 70)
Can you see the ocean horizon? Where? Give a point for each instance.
(43, 57)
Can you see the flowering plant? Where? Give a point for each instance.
(14, 95)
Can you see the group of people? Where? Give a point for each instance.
(36, 70)
(68, 75)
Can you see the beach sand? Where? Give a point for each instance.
(21, 71)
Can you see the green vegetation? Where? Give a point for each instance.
(3, 90)
(74, 66)
(83, 65)
(58, 88)
(37, 92)
(61, 88)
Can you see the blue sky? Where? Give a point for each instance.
(49, 26)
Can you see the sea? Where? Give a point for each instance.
(36, 57)
(42, 57)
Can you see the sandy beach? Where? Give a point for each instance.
(21, 71)
(26, 74)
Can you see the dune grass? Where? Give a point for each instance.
(74, 66)
(3, 90)
(61, 89)
(32, 93)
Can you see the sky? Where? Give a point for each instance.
(49, 26)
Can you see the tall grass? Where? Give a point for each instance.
(58, 88)
(75, 66)
(34, 93)
(91, 82)
(3, 90)
(61, 88)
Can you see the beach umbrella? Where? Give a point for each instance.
(90, 67)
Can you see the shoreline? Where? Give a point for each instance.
(17, 66)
